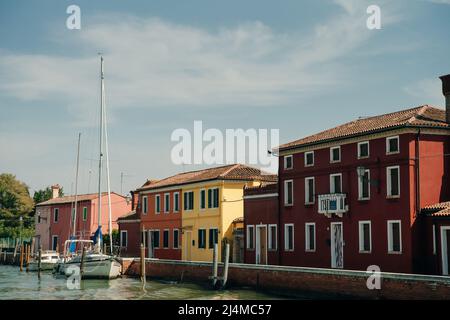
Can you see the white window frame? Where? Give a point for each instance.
(388, 152)
(159, 237)
(286, 197)
(248, 237)
(332, 182)
(269, 233)
(190, 193)
(204, 238)
(368, 150)
(360, 186)
(331, 154)
(209, 230)
(388, 182)
(166, 208)
(285, 162)
(168, 239)
(85, 210)
(286, 226)
(157, 210)
(176, 196)
(145, 205)
(212, 200)
(390, 240)
(55, 210)
(307, 191)
(200, 199)
(360, 236)
(178, 238)
(305, 160)
(126, 237)
(307, 249)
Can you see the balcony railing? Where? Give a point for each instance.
(333, 203)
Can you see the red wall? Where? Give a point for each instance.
(162, 221)
(134, 239)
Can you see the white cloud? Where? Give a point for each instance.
(155, 63)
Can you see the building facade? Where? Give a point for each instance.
(59, 214)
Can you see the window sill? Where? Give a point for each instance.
(309, 204)
(310, 251)
(362, 158)
(365, 252)
(363, 199)
(289, 250)
(392, 152)
(288, 204)
(335, 161)
(392, 197)
(309, 165)
(288, 168)
(395, 252)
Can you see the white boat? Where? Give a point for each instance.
(48, 261)
(95, 265)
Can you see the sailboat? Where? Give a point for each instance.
(97, 264)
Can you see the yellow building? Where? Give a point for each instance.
(211, 200)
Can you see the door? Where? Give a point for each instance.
(261, 245)
(445, 249)
(151, 244)
(188, 245)
(55, 243)
(337, 245)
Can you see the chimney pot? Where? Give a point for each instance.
(446, 91)
(55, 191)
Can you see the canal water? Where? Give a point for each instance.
(22, 285)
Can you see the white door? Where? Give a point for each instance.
(261, 244)
(337, 245)
(445, 246)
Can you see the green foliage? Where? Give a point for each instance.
(45, 194)
(115, 238)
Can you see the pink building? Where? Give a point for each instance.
(53, 218)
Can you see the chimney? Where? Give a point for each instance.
(446, 91)
(55, 191)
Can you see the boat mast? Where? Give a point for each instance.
(76, 188)
(108, 177)
(101, 153)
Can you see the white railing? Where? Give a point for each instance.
(333, 203)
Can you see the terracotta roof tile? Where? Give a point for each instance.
(228, 172)
(441, 209)
(133, 215)
(69, 199)
(423, 116)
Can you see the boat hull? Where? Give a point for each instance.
(45, 266)
(95, 269)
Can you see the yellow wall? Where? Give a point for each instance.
(231, 206)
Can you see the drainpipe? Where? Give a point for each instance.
(417, 163)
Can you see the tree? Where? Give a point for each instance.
(45, 194)
(15, 202)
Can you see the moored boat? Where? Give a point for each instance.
(48, 261)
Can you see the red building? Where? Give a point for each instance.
(59, 216)
(368, 192)
(159, 209)
(129, 231)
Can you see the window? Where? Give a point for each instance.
(273, 237)
(157, 204)
(309, 159)
(189, 200)
(166, 239)
(288, 192)
(365, 236)
(144, 204)
(213, 237)
(176, 202)
(39, 218)
(363, 150)
(123, 238)
(55, 215)
(176, 238)
(213, 198)
(55, 243)
(309, 190)
(392, 145)
(288, 237)
(364, 186)
(288, 162)
(84, 213)
(394, 236)
(336, 183)
(250, 237)
(335, 154)
(203, 199)
(393, 181)
(155, 239)
(201, 238)
(166, 202)
(310, 236)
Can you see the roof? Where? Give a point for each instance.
(422, 116)
(133, 215)
(265, 188)
(70, 199)
(228, 172)
(441, 209)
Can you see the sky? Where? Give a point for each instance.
(297, 66)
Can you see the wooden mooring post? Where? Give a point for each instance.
(39, 262)
(143, 275)
(27, 257)
(83, 256)
(21, 258)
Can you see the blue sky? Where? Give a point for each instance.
(297, 66)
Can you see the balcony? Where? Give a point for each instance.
(333, 203)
